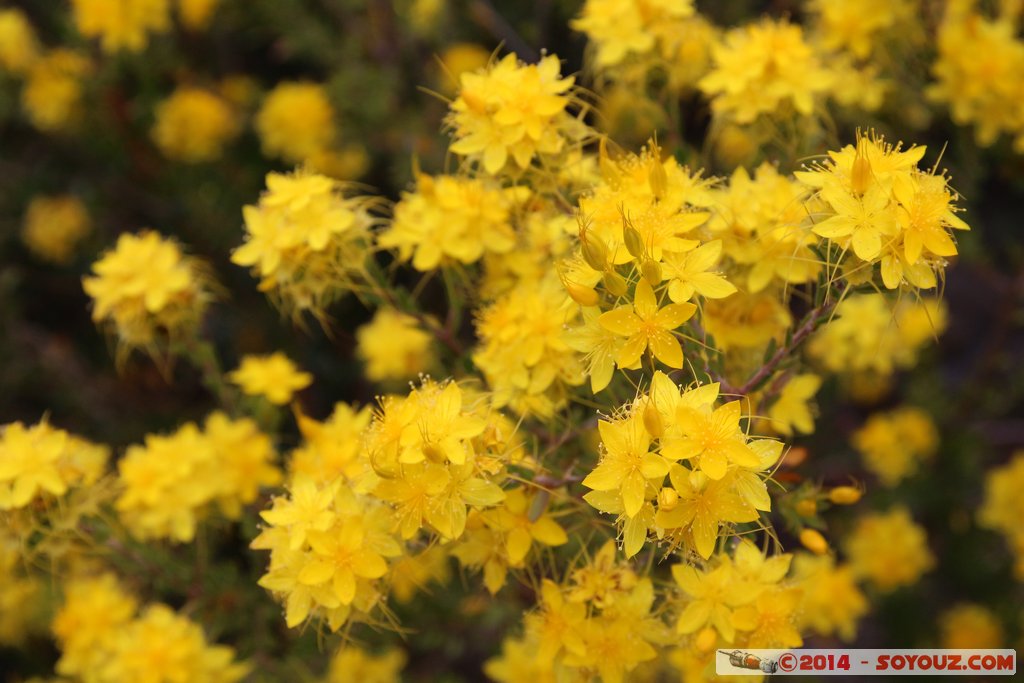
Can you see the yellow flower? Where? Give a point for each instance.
(450, 219)
(121, 24)
(393, 346)
(331, 447)
(765, 68)
(145, 287)
(621, 29)
(245, 460)
(1003, 506)
(19, 47)
(521, 528)
(53, 89)
(971, 627)
(274, 377)
(712, 597)
(296, 121)
(512, 110)
(646, 325)
(770, 622)
(29, 463)
(351, 663)
(305, 240)
(196, 14)
(855, 25)
(54, 226)
(791, 412)
(893, 445)
(161, 646)
(627, 463)
(889, 549)
(713, 438)
(193, 125)
(688, 274)
(831, 602)
(338, 558)
(94, 610)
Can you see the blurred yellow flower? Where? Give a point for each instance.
(274, 377)
(193, 125)
(19, 47)
(889, 549)
(296, 121)
(393, 346)
(121, 24)
(53, 89)
(54, 226)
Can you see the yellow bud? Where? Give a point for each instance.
(652, 420)
(706, 639)
(651, 271)
(584, 296)
(860, 175)
(814, 541)
(807, 507)
(615, 283)
(634, 241)
(658, 179)
(668, 499)
(595, 252)
(844, 495)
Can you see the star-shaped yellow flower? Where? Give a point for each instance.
(648, 326)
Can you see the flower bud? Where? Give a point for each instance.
(808, 507)
(658, 179)
(633, 239)
(844, 495)
(584, 296)
(860, 174)
(595, 252)
(706, 639)
(651, 271)
(652, 420)
(814, 541)
(615, 283)
(668, 499)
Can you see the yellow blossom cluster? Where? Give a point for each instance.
(514, 113)
(868, 335)
(895, 444)
(449, 220)
(1003, 506)
(394, 346)
(53, 227)
(105, 638)
(353, 663)
(42, 460)
(968, 626)
(145, 290)
(421, 464)
(53, 89)
(19, 47)
(296, 121)
(876, 202)
(978, 71)
(193, 125)
(889, 550)
(306, 240)
(169, 483)
(716, 473)
(121, 24)
(832, 603)
(274, 376)
(524, 353)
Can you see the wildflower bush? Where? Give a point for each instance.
(370, 341)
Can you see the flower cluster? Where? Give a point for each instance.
(394, 346)
(420, 465)
(889, 549)
(450, 220)
(193, 125)
(878, 204)
(1003, 505)
(104, 638)
(121, 24)
(53, 88)
(145, 290)
(275, 377)
(171, 482)
(44, 461)
(513, 113)
(894, 444)
(305, 240)
(54, 226)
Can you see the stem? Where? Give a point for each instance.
(808, 326)
(202, 355)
